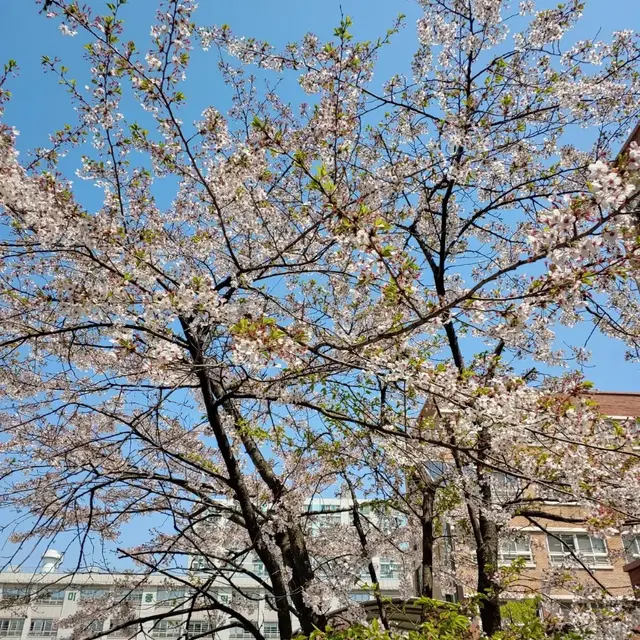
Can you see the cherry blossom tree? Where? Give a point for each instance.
(358, 294)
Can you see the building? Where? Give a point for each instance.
(553, 544)
(33, 603)
(634, 136)
(633, 569)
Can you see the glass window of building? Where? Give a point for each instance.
(41, 627)
(166, 629)
(563, 547)
(11, 627)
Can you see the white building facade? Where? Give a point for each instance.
(35, 605)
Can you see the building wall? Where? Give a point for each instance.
(75, 590)
(149, 603)
(541, 576)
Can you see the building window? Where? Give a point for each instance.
(511, 550)
(41, 627)
(169, 597)
(127, 631)
(391, 521)
(18, 593)
(436, 469)
(560, 491)
(95, 626)
(591, 550)
(129, 595)
(631, 546)
(363, 573)
(329, 517)
(51, 597)
(360, 596)
(271, 631)
(166, 629)
(94, 594)
(200, 564)
(11, 627)
(505, 488)
(390, 569)
(257, 568)
(200, 628)
(240, 633)
(367, 509)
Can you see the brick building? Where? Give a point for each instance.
(561, 542)
(554, 544)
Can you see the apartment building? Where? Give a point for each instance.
(545, 548)
(33, 604)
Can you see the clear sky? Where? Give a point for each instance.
(41, 106)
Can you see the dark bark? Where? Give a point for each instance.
(487, 557)
(426, 565)
(302, 575)
(236, 480)
(423, 487)
(292, 543)
(487, 550)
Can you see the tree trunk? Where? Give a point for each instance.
(302, 576)
(487, 556)
(426, 567)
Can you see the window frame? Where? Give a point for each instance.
(555, 496)
(94, 593)
(395, 569)
(505, 487)
(42, 599)
(127, 631)
(42, 633)
(210, 629)
(7, 633)
(200, 564)
(240, 633)
(25, 595)
(123, 594)
(505, 558)
(179, 593)
(592, 560)
(95, 626)
(270, 635)
(630, 540)
(330, 516)
(162, 627)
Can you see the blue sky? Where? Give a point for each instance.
(41, 106)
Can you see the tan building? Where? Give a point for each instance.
(555, 545)
(633, 137)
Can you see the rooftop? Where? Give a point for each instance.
(617, 403)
